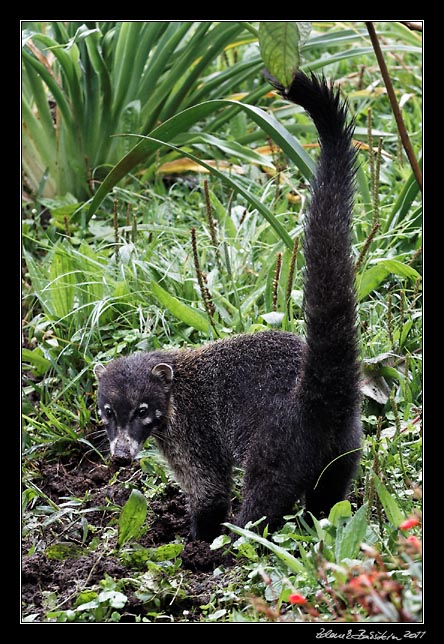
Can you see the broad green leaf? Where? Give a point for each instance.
(62, 551)
(248, 551)
(114, 597)
(293, 564)
(181, 311)
(398, 268)
(167, 552)
(94, 603)
(36, 358)
(352, 535)
(374, 276)
(392, 509)
(212, 617)
(220, 541)
(341, 510)
(280, 44)
(132, 517)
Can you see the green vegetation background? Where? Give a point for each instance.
(172, 257)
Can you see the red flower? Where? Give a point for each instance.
(362, 581)
(415, 542)
(409, 523)
(297, 600)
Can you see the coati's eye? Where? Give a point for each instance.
(108, 411)
(142, 412)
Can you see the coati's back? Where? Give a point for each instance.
(236, 384)
(288, 410)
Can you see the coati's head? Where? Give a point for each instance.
(134, 401)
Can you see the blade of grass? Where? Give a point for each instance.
(252, 199)
(161, 57)
(45, 145)
(124, 55)
(375, 275)
(402, 205)
(354, 53)
(181, 311)
(219, 35)
(181, 123)
(149, 36)
(53, 86)
(289, 560)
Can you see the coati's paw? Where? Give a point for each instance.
(206, 523)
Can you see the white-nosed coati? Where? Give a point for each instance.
(286, 409)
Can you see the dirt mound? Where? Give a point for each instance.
(101, 492)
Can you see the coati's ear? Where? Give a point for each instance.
(164, 372)
(99, 370)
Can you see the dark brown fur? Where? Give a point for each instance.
(281, 407)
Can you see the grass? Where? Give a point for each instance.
(137, 278)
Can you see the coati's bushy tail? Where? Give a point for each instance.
(328, 391)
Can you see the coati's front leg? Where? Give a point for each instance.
(207, 517)
(207, 484)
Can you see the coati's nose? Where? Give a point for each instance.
(121, 453)
(121, 459)
(123, 448)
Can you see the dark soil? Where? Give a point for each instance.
(54, 584)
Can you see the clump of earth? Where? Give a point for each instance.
(100, 487)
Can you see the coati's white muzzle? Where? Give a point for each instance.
(123, 447)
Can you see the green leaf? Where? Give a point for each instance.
(404, 332)
(217, 615)
(132, 517)
(254, 201)
(235, 149)
(403, 203)
(321, 532)
(341, 510)
(62, 275)
(94, 603)
(183, 122)
(248, 551)
(391, 508)
(293, 564)
(81, 33)
(220, 542)
(374, 276)
(222, 216)
(61, 551)
(36, 358)
(167, 552)
(274, 318)
(181, 311)
(114, 597)
(280, 44)
(352, 535)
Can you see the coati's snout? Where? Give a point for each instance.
(133, 401)
(124, 447)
